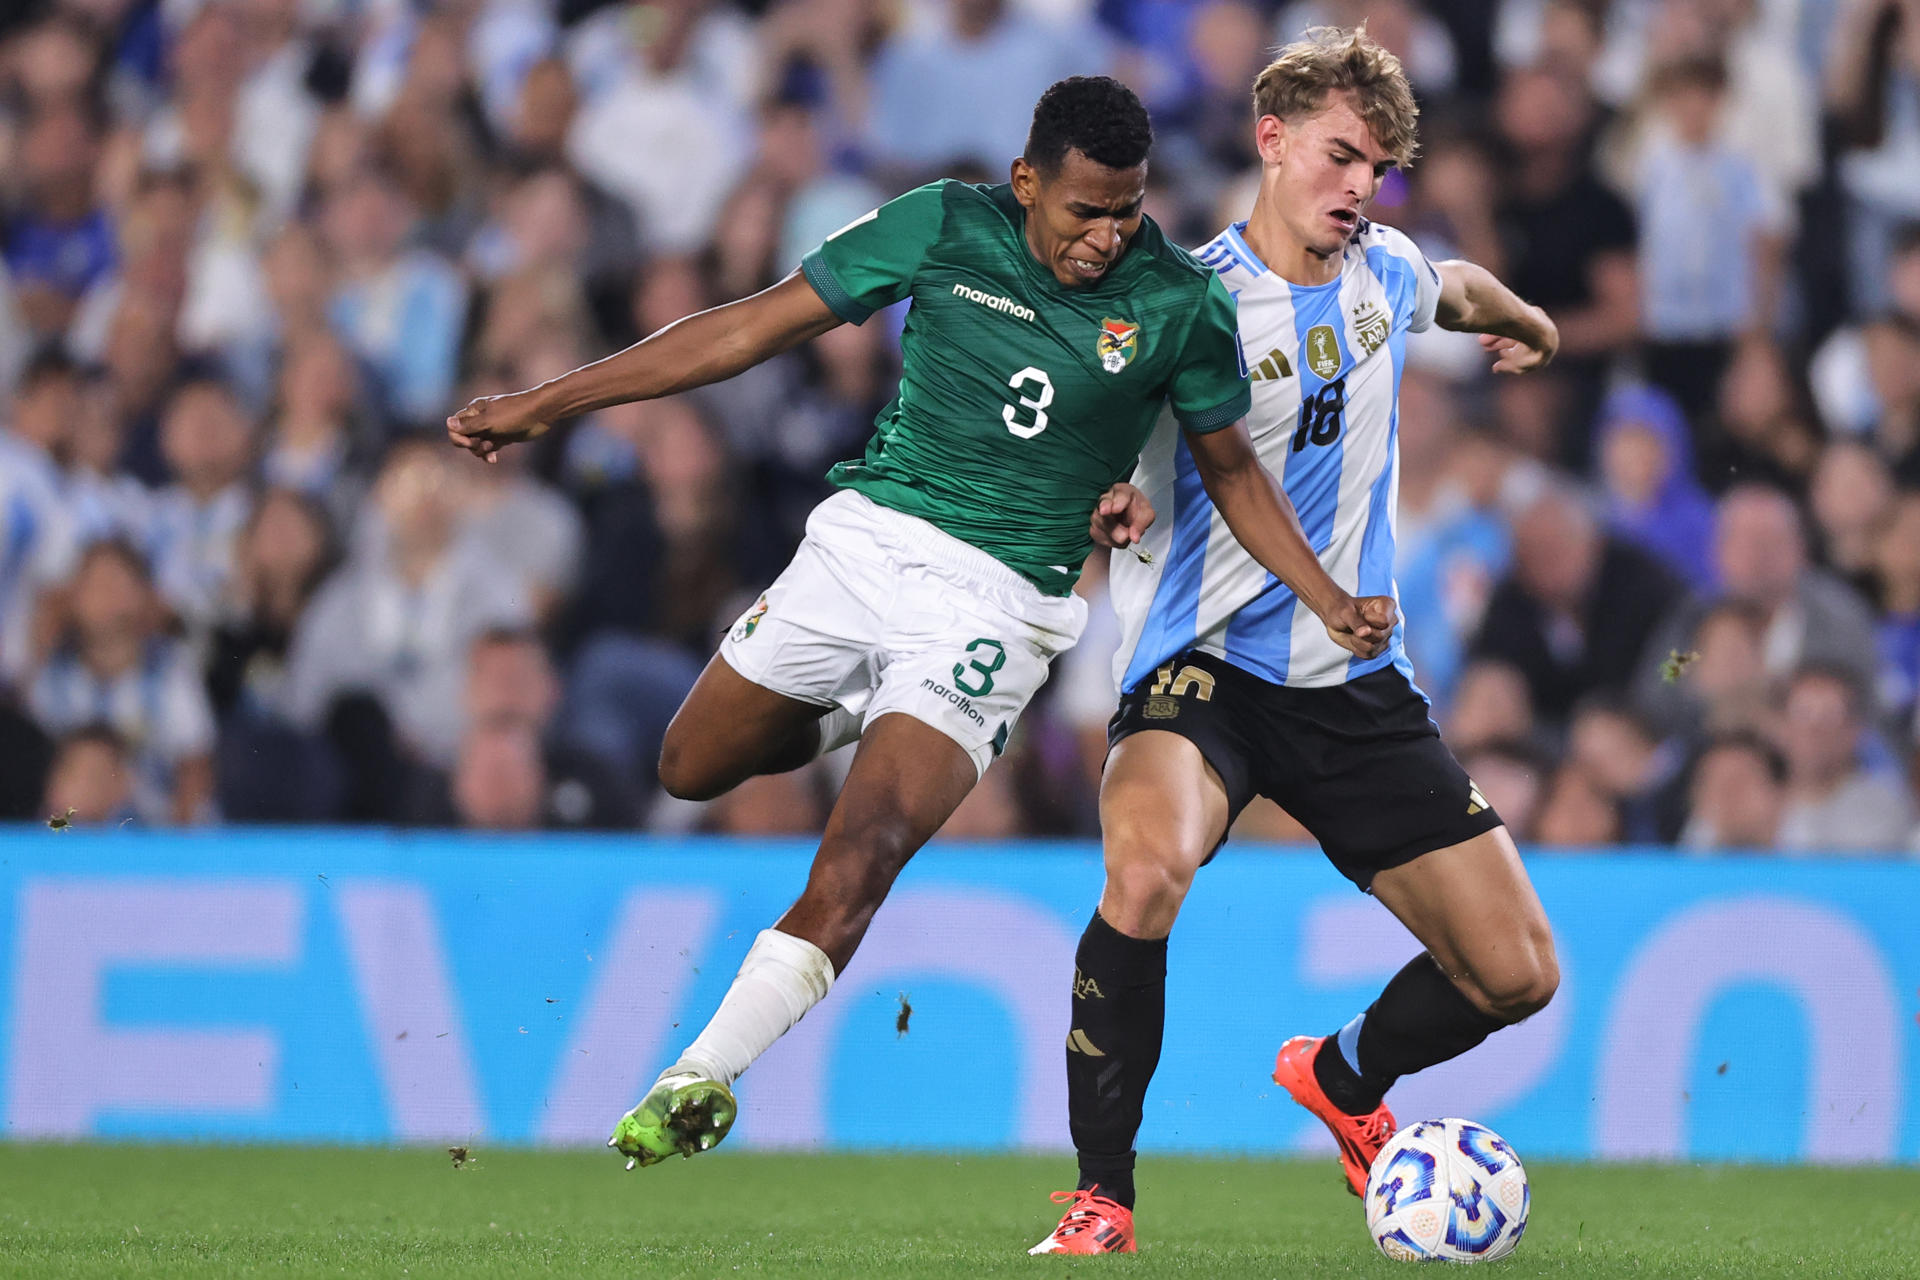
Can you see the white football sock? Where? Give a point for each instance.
(837, 728)
(781, 978)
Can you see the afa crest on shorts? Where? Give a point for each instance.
(1119, 340)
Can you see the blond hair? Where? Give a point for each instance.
(1329, 60)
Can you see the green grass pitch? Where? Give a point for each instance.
(231, 1211)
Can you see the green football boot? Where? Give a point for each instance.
(683, 1113)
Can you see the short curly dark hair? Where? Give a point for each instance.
(1094, 115)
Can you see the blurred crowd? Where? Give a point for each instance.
(256, 250)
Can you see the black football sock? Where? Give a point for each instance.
(1420, 1019)
(1119, 1016)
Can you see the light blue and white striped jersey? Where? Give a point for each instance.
(1325, 362)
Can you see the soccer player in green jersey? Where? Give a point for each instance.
(1051, 324)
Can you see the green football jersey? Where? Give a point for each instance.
(1022, 399)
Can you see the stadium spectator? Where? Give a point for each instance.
(511, 680)
(314, 446)
(1618, 757)
(38, 536)
(1851, 499)
(1652, 497)
(208, 444)
(113, 665)
(397, 619)
(400, 310)
(927, 113)
(61, 241)
(1491, 704)
(90, 782)
(1578, 812)
(1736, 796)
(279, 561)
(1762, 430)
(103, 499)
(1897, 566)
(1871, 73)
(1571, 243)
(1576, 610)
(1760, 552)
(1726, 687)
(1454, 541)
(1834, 801)
(663, 122)
(1713, 234)
(499, 782)
(777, 804)
(525, 528)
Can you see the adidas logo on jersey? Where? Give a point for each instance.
(994, 302)
(1274, 366)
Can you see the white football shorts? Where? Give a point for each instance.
(881, 612)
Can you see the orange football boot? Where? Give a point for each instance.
(1094, 1224)
(1359, 1137)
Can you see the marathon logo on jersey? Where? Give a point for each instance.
(959, 700)
(749, 621)
(1370, 325)
(994, 302)
(1323, 351)
(1119, 340)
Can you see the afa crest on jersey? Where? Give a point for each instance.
(1119, 340)
(1371, 326)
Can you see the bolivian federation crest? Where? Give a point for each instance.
(1119, 339)
(750, 620)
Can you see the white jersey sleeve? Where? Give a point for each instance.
(1412, 281)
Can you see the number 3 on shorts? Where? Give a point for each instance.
(1037, 402)
(997, 655)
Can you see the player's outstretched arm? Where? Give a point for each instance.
(1261, 518)
(708, 346)
(1472, 300)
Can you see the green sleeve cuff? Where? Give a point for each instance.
(1219, 417)
(839, 301)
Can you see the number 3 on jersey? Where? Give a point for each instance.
(1036, 401)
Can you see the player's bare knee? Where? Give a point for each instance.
(681, 775)
(1143, 897)
(1522, 989)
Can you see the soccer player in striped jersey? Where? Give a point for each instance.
(1231, 689)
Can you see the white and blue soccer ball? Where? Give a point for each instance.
(1450, 1190)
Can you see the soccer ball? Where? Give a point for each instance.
(1447, 1189)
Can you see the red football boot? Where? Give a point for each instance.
(1359, 1137)
(1094, 1224)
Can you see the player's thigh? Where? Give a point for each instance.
(966, 658)
(816, 633)
(811, 642)
(728, 729)
(1363, 768)
(1163, 811)
(1475, 910)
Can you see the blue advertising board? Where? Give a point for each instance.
(370, 986)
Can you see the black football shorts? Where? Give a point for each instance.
(1360, 765)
